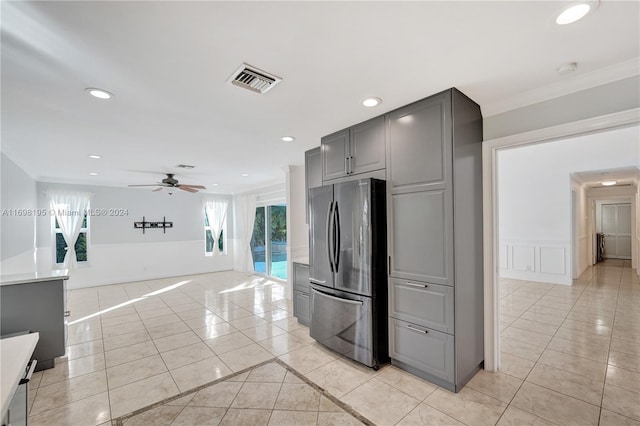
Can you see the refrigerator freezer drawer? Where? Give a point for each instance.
(343, 323)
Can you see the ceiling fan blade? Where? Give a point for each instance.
(158, 189)
(193, 186)
(187, 188)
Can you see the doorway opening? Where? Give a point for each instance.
(269, 241)
(553, 256)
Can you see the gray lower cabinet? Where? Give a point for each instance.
(354, 151)
(36, 306)
(427, 350)
(428, 305)
(434, 212)
(301, 308)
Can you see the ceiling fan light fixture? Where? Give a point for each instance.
(573, 13)
(99, 93)
(609, 182)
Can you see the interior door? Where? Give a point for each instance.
(616, 227)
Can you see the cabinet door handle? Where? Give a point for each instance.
(417, 285)
(417, 329)
(27, 377)
(67, 314)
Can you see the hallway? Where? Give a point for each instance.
(570, 354)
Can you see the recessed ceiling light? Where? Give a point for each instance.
(214, 184)
(94, 173)
(95, 157)
(99, 93)
(573, 13)
(288, 138)
(609, 182)
(245, 174)
(371, 102)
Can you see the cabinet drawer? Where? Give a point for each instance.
(429, 305)
(301, 277)
(425, 349)
(301, 307)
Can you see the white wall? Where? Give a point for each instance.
(17, 236)
(296, 209)
(534, 199)
(605, 99)
(119, 253)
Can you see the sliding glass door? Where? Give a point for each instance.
(269, 241)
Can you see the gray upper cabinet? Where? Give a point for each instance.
(335, 155)
(312, 174)
(358, 149)
(367, 147)
(421, 144)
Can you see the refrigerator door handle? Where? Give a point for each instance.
(336, 248)
(339, 299)
(330, 236)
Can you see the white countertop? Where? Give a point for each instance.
(35, 276)
(15, 353)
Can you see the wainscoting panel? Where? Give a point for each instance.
(553, 260)
(541, 261)
(523, 258)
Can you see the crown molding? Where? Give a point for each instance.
(580, 82)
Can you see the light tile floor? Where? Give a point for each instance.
(270, 394)
(570, 354)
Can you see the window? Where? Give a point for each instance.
(209, 242)
(80, 245)
(215, 222)
(269, 243)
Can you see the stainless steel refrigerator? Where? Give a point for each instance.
(347, 269)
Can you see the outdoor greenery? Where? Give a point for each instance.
(80, 245)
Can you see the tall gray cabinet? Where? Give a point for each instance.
(434, 184)
(432, 162)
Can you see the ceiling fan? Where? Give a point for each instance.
(171, 182)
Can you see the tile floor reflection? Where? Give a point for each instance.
(570, 356)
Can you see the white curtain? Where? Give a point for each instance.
(246, 216)
(69, 208)
(216, 211)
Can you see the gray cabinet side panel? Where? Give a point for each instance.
(35, 307)
(467, 184)
(312, 175)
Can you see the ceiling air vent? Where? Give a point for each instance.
(185, 166)
(253, 79)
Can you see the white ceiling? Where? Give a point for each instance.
(623, 176)
(167, 64)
